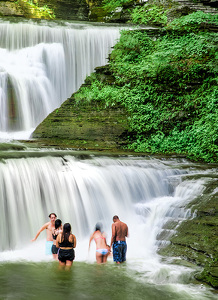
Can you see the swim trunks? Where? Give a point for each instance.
(48, 246)
(102, 251)
(66, 254)
(119, 251)
(54, 249)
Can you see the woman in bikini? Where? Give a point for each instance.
(55, 233)
(101, 245)
(66, 242)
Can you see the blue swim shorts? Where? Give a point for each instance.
(48, 247)
(119, 251)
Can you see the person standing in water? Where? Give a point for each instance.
(49, 226)
(101, 245)
(55, 233)
(118, 240)
(66, 242)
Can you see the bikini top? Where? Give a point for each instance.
(66, 244)
(54, 236)
(100, 237)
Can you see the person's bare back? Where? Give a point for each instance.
(118, 240)
(119, 231)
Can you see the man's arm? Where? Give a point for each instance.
(113, 238)
(39, 231)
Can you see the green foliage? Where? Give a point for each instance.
(149, 14)
(169, 90)
(193, 22)
(38, 11)
(111, 5)
(107, 94)
(129, 52)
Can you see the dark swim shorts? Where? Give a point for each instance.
(66, 254)
(54, 249)
(119, 251)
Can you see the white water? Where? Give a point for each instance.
(146, 194)
(42, 65)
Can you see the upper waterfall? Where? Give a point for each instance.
(41, 65)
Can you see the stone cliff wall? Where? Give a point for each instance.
(46, 9)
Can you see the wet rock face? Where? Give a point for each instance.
(68, 9)
(62, 9)
(84, 126)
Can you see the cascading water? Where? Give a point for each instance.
(84, 192)
(42, 65)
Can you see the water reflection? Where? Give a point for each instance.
(85, 281)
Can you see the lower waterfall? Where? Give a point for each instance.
(146, 193)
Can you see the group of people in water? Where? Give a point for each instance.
(60, 241)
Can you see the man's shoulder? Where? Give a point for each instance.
(124, 224)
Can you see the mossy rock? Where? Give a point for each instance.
(196, 240)
(85, 126)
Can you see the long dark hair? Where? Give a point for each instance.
(66, 232)
(58, 223)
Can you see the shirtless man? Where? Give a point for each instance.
(49, 226)
(118, 240)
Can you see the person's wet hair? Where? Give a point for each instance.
(66, 232)
(98, 226)
(52, 214)
(115, 217)
(58, 223)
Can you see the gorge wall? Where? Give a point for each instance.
(45, 9)
(93, 10)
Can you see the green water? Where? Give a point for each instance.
(84, 281)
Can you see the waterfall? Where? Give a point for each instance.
(42, 64)
(144, 193)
